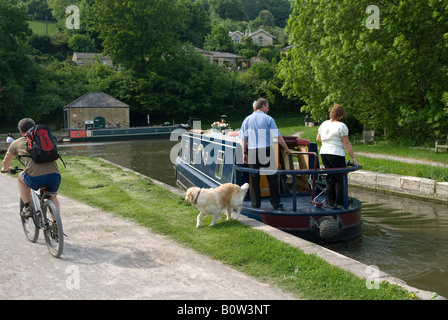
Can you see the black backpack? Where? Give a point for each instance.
(41, 144)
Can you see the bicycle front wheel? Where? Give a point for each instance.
(54, 236)
(29, 225)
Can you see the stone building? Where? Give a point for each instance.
(96, 110)
(83, 58)
(219, 57)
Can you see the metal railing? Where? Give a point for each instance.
(315, 172)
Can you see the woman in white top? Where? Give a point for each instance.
(334, 137)
(10, 138)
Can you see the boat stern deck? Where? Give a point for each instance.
(306, 220)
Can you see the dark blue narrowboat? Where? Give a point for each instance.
(113, 134)
(209, 159)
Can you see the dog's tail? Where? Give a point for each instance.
(244, 188)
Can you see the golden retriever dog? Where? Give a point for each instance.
(213, 201)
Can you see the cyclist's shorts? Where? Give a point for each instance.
(50, 181)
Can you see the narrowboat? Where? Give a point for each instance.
(110, 134)
(208, 159)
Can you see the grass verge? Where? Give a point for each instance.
(251, 251)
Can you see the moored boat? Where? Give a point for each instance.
(208, 159)
(130, 133)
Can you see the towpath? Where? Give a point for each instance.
(394, 158)
(106, 257)
(403, 159)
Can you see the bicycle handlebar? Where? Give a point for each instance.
(13, 170)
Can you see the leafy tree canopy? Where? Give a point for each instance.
(219, 39)
(17, 74)
(138, 34)
(228, 9)
(39, 9)
(395, 74)
(280, 9)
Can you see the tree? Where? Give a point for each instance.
(138, 34)
(62, 83)
(39, 9)
(17, 72)
(58, 10)
(219, 39)
(187, 85)
(42, 44)
(261, 80)
(279, 8)
(389, 78)
(265, 19)
(246, 48)
(268, 53)
(228, 9)
(197, 24)
(82, 43)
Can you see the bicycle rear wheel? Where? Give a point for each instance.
(54, 236)
(29, 225)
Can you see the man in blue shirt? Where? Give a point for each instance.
(257, 134)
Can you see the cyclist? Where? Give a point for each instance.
(34, 175)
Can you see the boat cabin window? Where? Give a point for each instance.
(219, 164)
(186, 149)
(194, 153)
(205, 156)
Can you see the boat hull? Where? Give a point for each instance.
(300, 224)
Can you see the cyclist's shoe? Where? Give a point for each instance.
(27, 211)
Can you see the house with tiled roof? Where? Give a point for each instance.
(259, 37)
(236, 36)
(219, 57)
(86, 58)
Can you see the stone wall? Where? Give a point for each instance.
(419, 187)
(113, 116)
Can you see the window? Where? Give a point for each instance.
(186, 154)
(260, 41)
(194, 153)
(219, 165)
(205, 156)
(237, 39)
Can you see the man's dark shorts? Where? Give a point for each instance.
(50, 181)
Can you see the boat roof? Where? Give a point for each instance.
(230, 136)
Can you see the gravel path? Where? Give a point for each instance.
(107, 257)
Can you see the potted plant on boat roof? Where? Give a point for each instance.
(220, 126)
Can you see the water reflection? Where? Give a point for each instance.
(402, 236)
(150, 157)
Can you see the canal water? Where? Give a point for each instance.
(405, 237)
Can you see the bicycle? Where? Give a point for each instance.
(45, 216)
